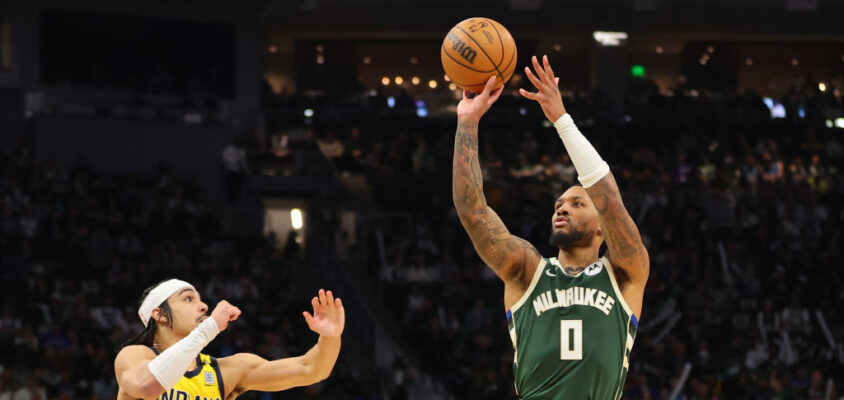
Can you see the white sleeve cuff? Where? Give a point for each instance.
(588, 163)
(594, 176)
(564, 124)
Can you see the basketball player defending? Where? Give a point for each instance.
(165, 362)
(573, 318)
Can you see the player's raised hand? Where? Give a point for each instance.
(474, 108)
(547, 93)
(224, 313)
(329, 317)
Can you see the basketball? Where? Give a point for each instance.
(476, 49)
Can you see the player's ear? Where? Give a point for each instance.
(158, 316)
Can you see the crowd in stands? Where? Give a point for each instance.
(741, 214)
(77, 249)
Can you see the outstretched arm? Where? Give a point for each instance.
(271, 376)
(142, 374)
(625, 247)
(506, 254)
(252, 372)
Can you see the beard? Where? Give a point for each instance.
(560, 239)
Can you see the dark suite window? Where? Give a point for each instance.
(136, 54)
(5, 44)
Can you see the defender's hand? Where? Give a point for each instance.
(224, 313)
(329, 317)
(547, 94)
(474, 108)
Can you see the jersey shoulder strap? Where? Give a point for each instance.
(537, 275)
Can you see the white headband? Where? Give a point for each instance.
(158, 295)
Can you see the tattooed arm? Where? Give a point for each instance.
(625, 249)
(506, 254)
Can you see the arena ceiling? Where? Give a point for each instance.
(784, 18)
(781, 17)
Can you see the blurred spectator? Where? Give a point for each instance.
(234, 159)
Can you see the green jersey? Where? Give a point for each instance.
(572, 335)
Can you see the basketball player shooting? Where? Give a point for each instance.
(164, 361)
(572, 318)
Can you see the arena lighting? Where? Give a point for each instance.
(421, 110)
(399, 80)
(452, 86)
(769, 102)
(637, 71)
(414, 60)
(659, 50)
(309, 112)
(432, 84)
(839, 123)
(795, 62)
(558, 47)
(414, 80)
(296, 219)
(385, 81)
(391, 101)
(776, 107)
(320, 59)
(710, 49)
(367, 60)
(446, 78)
(609, 39)
(822, 86)
(273, 48)
(829, 123)
(748, 61)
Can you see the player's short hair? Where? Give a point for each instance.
(576, 183)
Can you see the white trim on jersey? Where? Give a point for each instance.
(556, 262)
(618, 294)
(536, 275)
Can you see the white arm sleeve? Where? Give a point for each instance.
(172, 363)
(588, 163)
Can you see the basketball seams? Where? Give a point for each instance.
(481, 48)
(512, 59)
(500, 41)
(512, 56)
(445, 51)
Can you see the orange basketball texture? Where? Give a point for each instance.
(476, 49)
